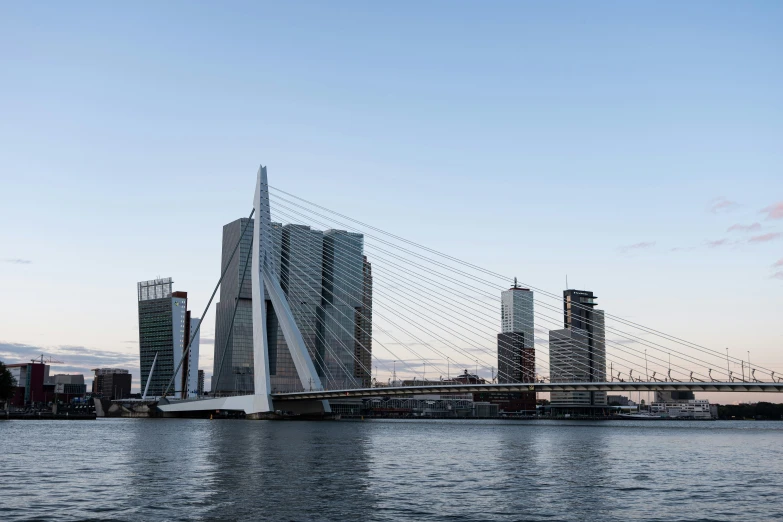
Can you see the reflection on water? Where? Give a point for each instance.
(140, 469)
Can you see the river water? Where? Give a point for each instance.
(182, 469)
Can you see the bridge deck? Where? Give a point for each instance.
(537, 387)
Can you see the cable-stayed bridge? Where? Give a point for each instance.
(339, 308)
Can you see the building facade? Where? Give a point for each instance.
(37, 388)
(328, 283)
(232, 370)
(363, 330)
(164, 333)
(577, 353)
(111, 383)
(516, 349)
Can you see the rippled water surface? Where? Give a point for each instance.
(179, 469)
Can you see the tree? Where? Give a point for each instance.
(7, 383)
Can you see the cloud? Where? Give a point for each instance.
(763, 238)
(744, 228)
(78, 356)
(721, 204)
(682, 249)
(718, 243)
(637, 246)
(777, 275)
(774, 211)
(778, 263)
(17, 261)
(76, 359)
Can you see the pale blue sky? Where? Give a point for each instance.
(534, 140)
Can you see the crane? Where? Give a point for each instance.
(46, 360)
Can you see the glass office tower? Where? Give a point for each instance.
(578, 352)
(163, 331)
(328, 283)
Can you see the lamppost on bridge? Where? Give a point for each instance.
(448, 368)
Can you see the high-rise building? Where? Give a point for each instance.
(577, 353)
(301, 254)
(190, 373)
(516, 346)
(328, 283)
(363, 330)
(233, 358)
(111, 383)
(164, 332)
(200, 386)
(342, 295)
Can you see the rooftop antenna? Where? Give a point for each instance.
(566, 281)
(515, 283)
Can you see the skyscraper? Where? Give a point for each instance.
(200, 385)
(363, 330)
(342, 296)
(190, 374)
(516, 347)
(233, 353)
(328, 283)
(301, 254)
(164, 331)
(578, 352)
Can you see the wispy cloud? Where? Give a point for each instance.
(774, 211)
(777, 275)
(637, 246)
(682, 249)
(744, 228)
(778, 263)
(718, 243)
(17, 261)
(763, 238)
(722, 204)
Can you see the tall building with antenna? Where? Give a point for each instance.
(516, 348)
(577, 353)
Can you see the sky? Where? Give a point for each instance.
(633, 148)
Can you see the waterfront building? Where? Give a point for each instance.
(568, 362)
(577, 353)
(674, 396)
(111, 383)
(516, 350)
(363, 330)
(200, 385)
(30, 380)
(328, 283)
(618, 400)
(67, 386)
(342, 302)
(190, 371)
(233, 352)
(35, 385)
(164, 331)
(691, 409)
(301, 273)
